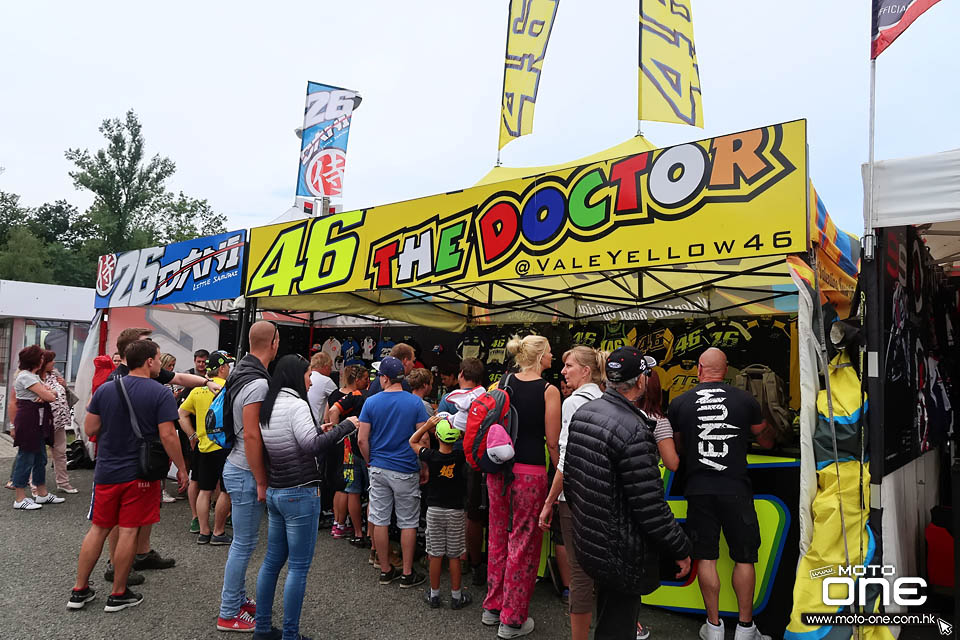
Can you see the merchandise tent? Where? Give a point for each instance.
(911, 292)
(722, 228)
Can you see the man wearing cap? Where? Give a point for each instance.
(387, 421)
(714, 421)
(208, 457)
(621, 522)
(406, 355)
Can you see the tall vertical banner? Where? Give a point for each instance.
(323, 150)
(528, 33)
(891, 18)
(669, 74)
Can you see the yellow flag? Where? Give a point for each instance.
(669, 75)
(528, 32)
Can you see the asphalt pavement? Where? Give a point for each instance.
(343, 599)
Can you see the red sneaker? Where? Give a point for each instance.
(250, 606)
(338, 532)
(244, 623)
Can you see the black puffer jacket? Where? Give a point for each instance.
(612, 483)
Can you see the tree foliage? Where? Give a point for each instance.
(132, 209)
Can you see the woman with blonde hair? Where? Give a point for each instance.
(514, 539)
(583, 372)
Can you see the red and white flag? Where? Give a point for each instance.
(891, 18)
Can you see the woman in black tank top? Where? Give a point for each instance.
(515, 506)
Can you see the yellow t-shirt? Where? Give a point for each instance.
(679, 380)
(198, 403)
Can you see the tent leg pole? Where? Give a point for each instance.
(246, 319)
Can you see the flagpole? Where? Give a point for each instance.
(503, 87)
(869, 240)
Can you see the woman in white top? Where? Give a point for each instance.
(31, 412)
(583, 372)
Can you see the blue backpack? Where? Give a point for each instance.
(219, 429)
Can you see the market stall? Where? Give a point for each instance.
(688, 240)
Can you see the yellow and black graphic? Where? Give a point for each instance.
(695, 202)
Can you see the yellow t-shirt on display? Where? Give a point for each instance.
(680, 379)
(198, 403)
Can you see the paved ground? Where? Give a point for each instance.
(343, 599)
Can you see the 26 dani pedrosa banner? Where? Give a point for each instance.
(323, 148)
(209, 268)
(735, 196)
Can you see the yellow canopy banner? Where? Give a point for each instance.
(528, 32)
(669, 74)
(742, 195)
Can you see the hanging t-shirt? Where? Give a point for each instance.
(498, 349)
(616, 335)
(351, 352)
(383, 348)
(715, 419)
(679, 379)
(585, 335)
(368, 345)
(472, 346)
(332, 348)
(657, 344)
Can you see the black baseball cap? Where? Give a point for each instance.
(626, 363)
(217, 359)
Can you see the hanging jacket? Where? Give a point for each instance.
(611, 479)
(294, 444)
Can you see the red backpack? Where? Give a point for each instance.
(493, 407)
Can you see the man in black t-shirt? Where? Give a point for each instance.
(714, 421)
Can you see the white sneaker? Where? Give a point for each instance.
(490, 618)
(710, 632)
(167, 498)
(749, 633)
(50, 498)
(507, 631)
(26, 505)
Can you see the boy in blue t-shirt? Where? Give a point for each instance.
(387, 421)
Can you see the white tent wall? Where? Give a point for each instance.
(809, 387)
(907, 495)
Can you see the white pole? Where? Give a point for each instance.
(869, 240)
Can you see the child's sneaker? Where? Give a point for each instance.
(412, 579)
(464, 599)
(124, 600)
(642, 632)
(434, 601)
(195, 526)
(338, 531)
(243, 623)
(80, 598)
(508, 631)
(389, 576)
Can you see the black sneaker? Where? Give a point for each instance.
(273, 634)
(434, 601)
(123, 601)
(133, 578)
(411, 580)
(361, 542)
(79, 598)
(152, 560)
(479, 575)
(459, 603)
(390, 576)
(203, 538)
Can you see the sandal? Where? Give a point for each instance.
(9, 485)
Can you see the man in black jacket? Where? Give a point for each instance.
(612, 484)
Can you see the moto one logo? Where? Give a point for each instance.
(850, 587)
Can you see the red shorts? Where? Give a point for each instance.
(127, 504)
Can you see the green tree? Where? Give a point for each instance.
(24, 257)
(182, 218)
(11, 214)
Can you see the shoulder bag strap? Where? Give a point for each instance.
(133, 417)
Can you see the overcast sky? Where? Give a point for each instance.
(220, 88)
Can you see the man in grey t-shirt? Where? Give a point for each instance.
(245, 475)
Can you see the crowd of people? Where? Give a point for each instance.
(584, 464)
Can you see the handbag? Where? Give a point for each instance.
(72, 398)
(152, 461)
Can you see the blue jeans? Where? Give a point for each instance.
(247, 512)
(28, 462)
(294, 515)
